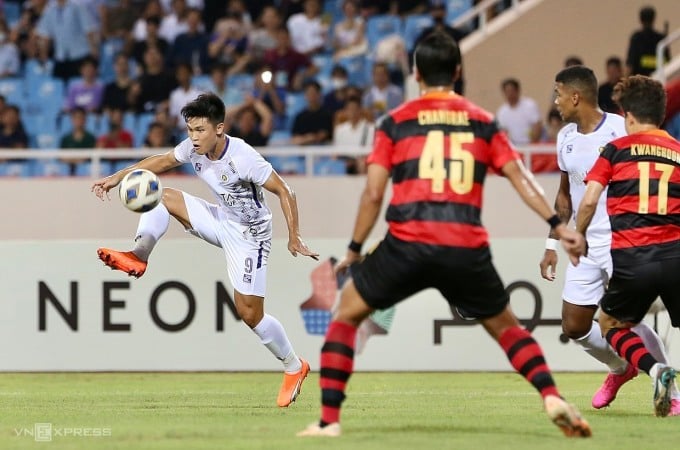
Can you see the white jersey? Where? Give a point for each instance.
(576, 155)
(236, 179)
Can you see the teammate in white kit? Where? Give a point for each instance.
(239, 222)
(578, 144)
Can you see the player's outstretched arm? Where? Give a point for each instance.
(277, 185)
(369, 209)
(156, 164)
(533, 195)
(548, 264)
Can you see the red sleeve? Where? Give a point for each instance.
(601, 171)
(382, 150)
(501, 151)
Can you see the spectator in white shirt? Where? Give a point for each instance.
(307, 29)
(355, 131)
(180, 96)
(519, 116)
(175, 23)
(9, 53)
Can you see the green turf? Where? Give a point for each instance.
(383, 410)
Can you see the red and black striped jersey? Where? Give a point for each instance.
(438, 149)
(643, 199)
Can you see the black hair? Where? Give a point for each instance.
(643, 97)
(78, 110)
(514, 82)
(573, 61)
(339, 70)
(437, 59)
(647, 15)
(614, 61)
(580, 78)
(208, 106)
(311, 83)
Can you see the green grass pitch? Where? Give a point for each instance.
(481, 411)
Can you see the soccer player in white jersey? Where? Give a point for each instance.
(579, 142)
(239, 222)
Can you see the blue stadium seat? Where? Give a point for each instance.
(455, 8)
(328, 166)
(142, 127)
(356, 69)
(242, 82)
(13, 90)
(295, 102)
(107, 55)
(51, 168)
(294, 165)
(324, 62)
(46, 140)
(12, 12)
(413, 26)
(15, 169)
(381, 26)
(84, 169)
(279, 137)
(202, 82)
(45, 96)
(40, 124)
(334, 9)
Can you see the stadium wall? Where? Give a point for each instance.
(63, 311)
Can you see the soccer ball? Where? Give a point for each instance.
(140, 190)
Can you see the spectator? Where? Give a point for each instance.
(116, 137)
(88, 92)
(174, 24)
(9, 53)
(152, 8)
(290, 67)
(349, 35)
(519, 116)
(229, 42)
(263, 38)
(77, 138)
(308, 32)
(641, 59)
(438, 13)
(190, 47)
(272, 96)
(335, 99)
(355, 131)
(573, 61)
(117, 92)
(553, 125)
(382, 96)
(179, 97)
(118, 19)
(151, 39)
(73, 35)
(614, 69)
(12, 134)
(152, 89)
(236, 8)
(313, 125)
(218, 85)
(253, 122)
(157, 136)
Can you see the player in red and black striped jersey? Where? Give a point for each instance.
(437, 150)
(642, 171)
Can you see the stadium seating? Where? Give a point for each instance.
(329, 166)
(356, 67)
(13, 90)
(381, 26)
(413, 26)
(295, 102)
(456, 8)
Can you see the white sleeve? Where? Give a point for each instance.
(560, 162)
(183, 151)
(253, 167)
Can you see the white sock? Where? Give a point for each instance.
(598, 347)
(656, 348)
(152, 226)
(273, 336)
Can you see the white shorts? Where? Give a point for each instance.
(585, 284)
(246, 258)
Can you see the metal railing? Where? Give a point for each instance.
(660, 72)
(309, 154)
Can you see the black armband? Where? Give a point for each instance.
(355, 246)
(554, 221)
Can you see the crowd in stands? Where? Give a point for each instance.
(115, 74)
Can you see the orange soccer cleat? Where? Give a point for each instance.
(292, 385)
(566, 417)
(124, 261)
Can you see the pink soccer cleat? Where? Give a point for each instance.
(607, 392)
(675, 407)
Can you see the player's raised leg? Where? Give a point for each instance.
(526, 356)
(337, 361)
(152, 226)
(273, 336)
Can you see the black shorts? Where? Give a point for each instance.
(632, 290)
(397, 269)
